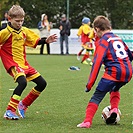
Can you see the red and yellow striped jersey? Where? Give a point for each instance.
(13, 44)
(84, 31)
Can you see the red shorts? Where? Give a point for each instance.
(30, 73)
(88, 46)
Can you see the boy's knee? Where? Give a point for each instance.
(41, 84)
(22, 81)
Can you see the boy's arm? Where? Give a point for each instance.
(97, 62)
(42, 41)
(50, 39)
(130, 54)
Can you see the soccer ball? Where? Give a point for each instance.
(106, 114)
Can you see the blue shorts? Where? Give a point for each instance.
(103, 87)
(109, 85)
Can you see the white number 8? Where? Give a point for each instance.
(120, 51)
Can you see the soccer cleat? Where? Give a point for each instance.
(84, 125)
(91, 63)
(21, 109)
(85, 62)
(113, 116)
(78, 57)
(9, 115)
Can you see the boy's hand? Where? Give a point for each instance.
(87, 89)
(51, 38)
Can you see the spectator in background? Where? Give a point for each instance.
(4, 21)
(64, 27)
(44, 27)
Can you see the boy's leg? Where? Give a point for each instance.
(92, 108)
(114, 102)
(103, 87)
(80, 52)
(86, 56)
(15, 98)
(32, 96)
(114, 99)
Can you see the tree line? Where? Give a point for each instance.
(119, 12)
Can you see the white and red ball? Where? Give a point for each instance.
(106, 114)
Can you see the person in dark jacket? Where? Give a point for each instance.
(4, 21)
(64, 27)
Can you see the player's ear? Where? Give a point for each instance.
(9, 18)
(95, 29)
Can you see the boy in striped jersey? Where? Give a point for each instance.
(13, 40)
(84, 32)
(115, 55)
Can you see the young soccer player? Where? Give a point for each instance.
(116, 56)
(13, 40)
(95, 39)
(84, 32)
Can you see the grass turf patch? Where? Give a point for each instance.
(62, 105)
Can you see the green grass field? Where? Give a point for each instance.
(62, 105)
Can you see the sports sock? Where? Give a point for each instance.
(14, 101)
(80, 52)
(114, 99)
(90, 112)
(31, 97)
(86, 56)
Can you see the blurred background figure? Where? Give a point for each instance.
(65, 27)
(44, 27)
(86, 42)
(4, 21)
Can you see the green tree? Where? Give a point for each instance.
(3, 8)
(118, 11)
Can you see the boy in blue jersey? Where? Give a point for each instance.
(115, 55)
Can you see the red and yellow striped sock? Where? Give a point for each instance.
(86, 56)
(14, 101)
(31, 97)
(80, 52)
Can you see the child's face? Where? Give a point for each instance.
(98, 32)
(89, 23)
(16, 22)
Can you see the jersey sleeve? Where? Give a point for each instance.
(31, 38)
(100, 52)
(4, 35)
(86, 29)
(92, 34)
(79, 31)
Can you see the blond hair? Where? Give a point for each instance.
(16, 11)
